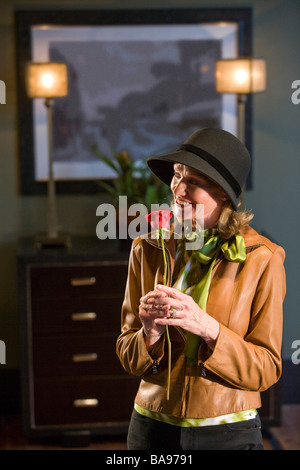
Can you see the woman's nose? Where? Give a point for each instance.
(181, 188)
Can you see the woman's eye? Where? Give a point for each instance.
(195, 183)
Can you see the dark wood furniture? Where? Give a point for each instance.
(70, 303)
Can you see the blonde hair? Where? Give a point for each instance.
(231, 221)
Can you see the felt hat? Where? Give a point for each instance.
(215, 153)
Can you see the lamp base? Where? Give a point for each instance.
(46, 241)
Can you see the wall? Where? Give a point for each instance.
(276, 142)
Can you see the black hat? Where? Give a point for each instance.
(214, 153)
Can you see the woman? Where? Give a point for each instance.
(222, 305)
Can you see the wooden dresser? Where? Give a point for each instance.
(70, 302)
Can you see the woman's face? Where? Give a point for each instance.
(189, 188)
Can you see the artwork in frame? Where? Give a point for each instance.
(140, 81)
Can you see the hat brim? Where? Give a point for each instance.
(162, 167)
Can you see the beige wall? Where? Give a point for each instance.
(276, 143)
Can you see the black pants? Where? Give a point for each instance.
(147, 434)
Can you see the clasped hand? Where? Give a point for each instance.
(168, 306)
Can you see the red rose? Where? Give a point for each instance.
(159, 219)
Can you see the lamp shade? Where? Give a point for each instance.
(241, 75)
(46, 80)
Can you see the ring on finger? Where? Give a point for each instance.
(173, 313)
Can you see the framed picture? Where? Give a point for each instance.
(138, 80)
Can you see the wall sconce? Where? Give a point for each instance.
(241, 76)
(49, 80)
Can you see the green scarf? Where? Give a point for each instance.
(193, 273)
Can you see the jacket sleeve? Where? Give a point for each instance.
(131, 348)
(254, 362)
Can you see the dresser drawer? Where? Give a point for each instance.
(76, 281)
(65, 356)
(96, 314)
(83, 401)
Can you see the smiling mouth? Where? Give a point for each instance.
(183, 203)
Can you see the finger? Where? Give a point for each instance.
(168, 321)
(146, 297)
(154, 314)
(159, 301)
(155, 307)
(165, 304)
(168, 312)
(171, 302)
(148, 316)
(152, 294)
(176, 294)
(177, 304)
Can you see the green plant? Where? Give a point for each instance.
(134, 180)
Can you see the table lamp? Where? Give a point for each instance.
(241, 76)
(49, 80)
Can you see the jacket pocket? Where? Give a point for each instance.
(247, 425)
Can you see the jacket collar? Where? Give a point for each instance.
(251, 237)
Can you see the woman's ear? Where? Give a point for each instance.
(224, 197)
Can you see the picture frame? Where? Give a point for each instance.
(43, 35)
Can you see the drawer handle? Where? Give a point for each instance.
(85, 402)
(83, 281)
(84, 316)
(86, 357)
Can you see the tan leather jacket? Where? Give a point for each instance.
(245, 298)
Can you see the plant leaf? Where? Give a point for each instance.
(106, 160)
